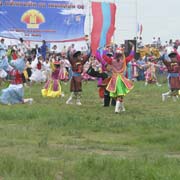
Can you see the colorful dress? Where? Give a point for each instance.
(63, 74)
(119, 85)
(173, 75)
(150, 73)
(52, 87)
(134, 70)
(77, 69)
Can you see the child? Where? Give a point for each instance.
(173, 67)
(52, 87)
(119, 85)
(14, 94)
(150, 73)
(63, 73)
(77, 61)
(37, 75)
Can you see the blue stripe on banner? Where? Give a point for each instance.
(106, 12)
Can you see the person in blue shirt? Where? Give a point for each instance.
(44, 49)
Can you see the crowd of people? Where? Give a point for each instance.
(113, 68)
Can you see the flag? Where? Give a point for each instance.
(103, 24)
(139, 29)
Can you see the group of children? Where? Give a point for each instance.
(110, 69)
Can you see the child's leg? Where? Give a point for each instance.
(71, 97)
(78, 98)
(122, 108)
(119, 104)
(106, 98)
(166, 95)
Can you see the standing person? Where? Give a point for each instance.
(37, 74)
(22, 46)
(154, 42)
(63, 73)
(129, 70)
(134, 70)
(150, 73)
(71, 48)
(28, 67)
(64, 50)
(14, 54)
(140, 43)
(140, 68)
(36, 51)
(54, 49)
(99, 70)
(173, 67)
(67, 66)
(103, 81)
(46, 69)
(52, 87)
(159, 44)
(3, 49)
(4, 68)
(77, 61)
(119, 85)
(44, 49)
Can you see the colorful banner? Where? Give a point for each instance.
(139, 29)
(37, 20)
(103, 24)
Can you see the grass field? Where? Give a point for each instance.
(50, 140)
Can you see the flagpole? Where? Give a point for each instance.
(136, 4)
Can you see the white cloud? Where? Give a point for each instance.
(3, 12)
(72, 11)
(12, 33)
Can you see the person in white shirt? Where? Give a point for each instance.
(22, 46)
(3, 49)
(54, 49)
(154, 42)
(46, 69)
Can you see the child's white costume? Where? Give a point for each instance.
(15, 92)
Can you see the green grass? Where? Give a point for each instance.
(50, 140)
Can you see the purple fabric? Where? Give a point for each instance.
(98, 56)
(99, 81)
(132, 53)
(100, 59)
(55, 74)
(55, 85)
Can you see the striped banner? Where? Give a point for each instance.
(103, 24)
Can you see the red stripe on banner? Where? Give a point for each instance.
(71, 40)
(112, 26)
(97, 26)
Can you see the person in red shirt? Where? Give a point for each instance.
(119, 85)
(14, 54)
